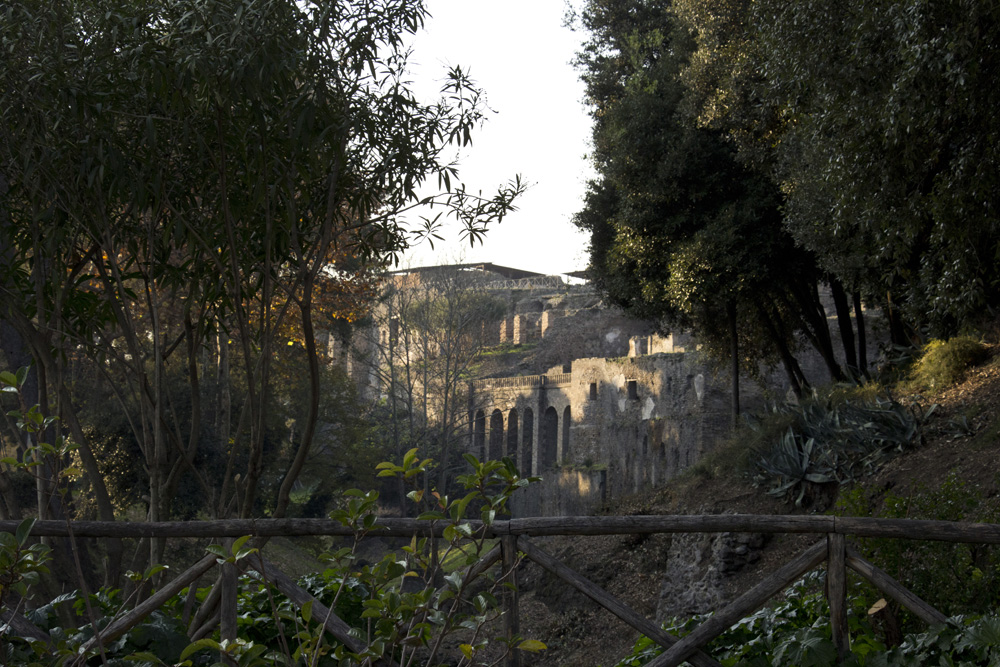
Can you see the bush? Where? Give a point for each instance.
(954, 578)
(415, 604)
(795, 632)
(944, 363)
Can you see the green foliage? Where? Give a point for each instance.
(873, 117)
(406, 603)
(34, 423)
(681, 231)
(961, 641)
(795, 632)
(943, 363)
(832, 442)
(21, 563)
(401, 607)
(158, 640)
(188, 184)
(954, 578)
(792, 632)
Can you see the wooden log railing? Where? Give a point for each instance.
(514, 535)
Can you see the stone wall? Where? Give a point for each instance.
(598, 404)
(608, 427)
(598, 427)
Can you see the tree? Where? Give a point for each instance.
(682, 232)
(428, 335)
(875, 119)
(180, 173)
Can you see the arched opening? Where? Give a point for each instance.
(567, 421)
(549, 438)
(512, 433)
(528, 443)
(479, 435)
(496, 435)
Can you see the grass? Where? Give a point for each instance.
(943, 363)
(508, 348)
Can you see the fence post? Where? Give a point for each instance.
(512, 624)
(836, 591)
(227, 604)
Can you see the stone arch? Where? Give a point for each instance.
(549, 439)
(512, 435)
(496, 435)
(479, 435)
(567, 421)
(528, 442)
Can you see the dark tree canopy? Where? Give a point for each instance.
(682, 232)
(876, 118)
(749, 151)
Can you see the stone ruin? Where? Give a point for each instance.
(605, 406)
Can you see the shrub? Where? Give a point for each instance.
(943, 363)
(416, 603)
(795, 632)
(954, 578)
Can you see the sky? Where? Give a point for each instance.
(520, 53)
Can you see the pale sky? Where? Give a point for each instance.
(520, 53)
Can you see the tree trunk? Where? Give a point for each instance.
(815, 327)
(734, 349)
(397, 449)
(308, 433)
(792, 370)
(859, 317)
(897, 329)
(844, 324)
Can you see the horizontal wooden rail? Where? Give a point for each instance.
(914, 529)
(513, 534)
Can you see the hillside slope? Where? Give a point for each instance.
(961, 441)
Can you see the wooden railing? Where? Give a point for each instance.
(514, 535)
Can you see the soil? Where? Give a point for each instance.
(961, 437)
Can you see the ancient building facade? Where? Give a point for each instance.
(600, 427)
(598, 405)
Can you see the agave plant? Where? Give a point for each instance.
(833, 443)
(792, 464)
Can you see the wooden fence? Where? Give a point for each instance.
(513, 536)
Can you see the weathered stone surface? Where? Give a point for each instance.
(697, 566)
(599, 394)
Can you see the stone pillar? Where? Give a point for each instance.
(507, 330)
(546, 321)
